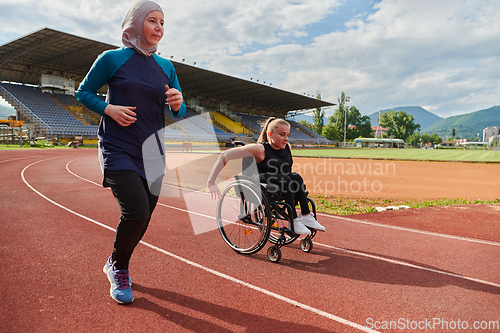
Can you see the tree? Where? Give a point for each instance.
(414, 139)
(399, 124)
(338, 117)
(305, 124)
(361, 125)
(425, 138)
(453, 132)
(318, 118)
(435, 139)
(330, 132)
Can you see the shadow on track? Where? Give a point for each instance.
(363, 268)
(251, 322)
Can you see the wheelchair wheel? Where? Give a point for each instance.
(243, 217)
(274, 254)
(306, 244)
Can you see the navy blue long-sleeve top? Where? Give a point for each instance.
(133, 80)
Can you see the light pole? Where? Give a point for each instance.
(346, 102)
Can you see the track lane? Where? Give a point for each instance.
(66, 198)
(349, 283)
(446, 255)
(437, 279)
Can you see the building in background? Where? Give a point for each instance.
(491, 134)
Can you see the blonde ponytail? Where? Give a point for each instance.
(263, 134)
(269, 126)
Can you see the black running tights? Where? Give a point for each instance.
(290, 185)
(136, 206)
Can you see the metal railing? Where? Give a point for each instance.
(25, 109)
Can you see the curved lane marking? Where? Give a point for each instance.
(375, 224)
(430, 233)
(398, 262)
(209, 270)
(17, 159)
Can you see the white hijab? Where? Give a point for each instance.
(133, 26)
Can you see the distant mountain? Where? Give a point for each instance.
(6, 111)
(308, 118)
(466, 125)
(421, 115)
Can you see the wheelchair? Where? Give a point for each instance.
(250, 213)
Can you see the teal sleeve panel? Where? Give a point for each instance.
(169, 70)
(99, 74)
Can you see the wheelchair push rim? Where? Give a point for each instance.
(243, 217)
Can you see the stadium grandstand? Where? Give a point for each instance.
(40, 72)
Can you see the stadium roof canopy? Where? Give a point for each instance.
(52, 52)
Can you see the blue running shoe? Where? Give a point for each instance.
(120, 290)
(108, 265)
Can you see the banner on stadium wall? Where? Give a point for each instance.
(58, 84)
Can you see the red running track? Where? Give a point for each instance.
(57, 232)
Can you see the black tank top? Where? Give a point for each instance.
(277, 161)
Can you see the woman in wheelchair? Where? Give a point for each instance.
(274, 164)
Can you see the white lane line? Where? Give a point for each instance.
(375, 224)
(57, 204)
(17, 159)
(266, 292)
(423, 232)
(209, 270)
(185, 188)
(77, 176)
(402, 263)
(187, 211)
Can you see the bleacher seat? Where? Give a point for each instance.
(190, 127)
(48, 112)
(193, 127)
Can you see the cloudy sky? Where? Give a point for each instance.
(442, 55)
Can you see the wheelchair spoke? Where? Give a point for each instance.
(242, 218)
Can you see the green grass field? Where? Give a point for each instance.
(467, 155)
(344, 205)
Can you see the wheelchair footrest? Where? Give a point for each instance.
(281, 239)
(287, 231)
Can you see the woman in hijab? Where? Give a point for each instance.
(140, 83)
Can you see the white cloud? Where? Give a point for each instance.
(216, 29)
(407, 53)
(441, 54)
